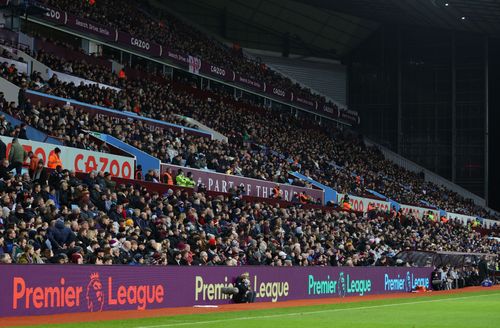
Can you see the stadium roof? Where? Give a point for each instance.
(481, 16)
(331, 28)
(262, 24)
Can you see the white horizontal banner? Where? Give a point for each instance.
(360, 204)
(418, 211)
(78, 80)
(460, 217)
(489, 224)
(80, 160)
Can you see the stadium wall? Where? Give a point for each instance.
(56, 289)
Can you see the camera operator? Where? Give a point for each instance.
(245, 294)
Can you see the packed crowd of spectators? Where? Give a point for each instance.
(342, 163)
(170, 147)
(58, 217)
(154, 24)
(263, 143)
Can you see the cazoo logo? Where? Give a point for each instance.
(55, 15)
(217, 70)
(278, 92)
(139, 43)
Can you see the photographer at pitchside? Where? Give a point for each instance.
(245, 293)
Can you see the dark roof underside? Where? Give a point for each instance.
(480, 16)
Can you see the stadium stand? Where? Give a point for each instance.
(170, 31)
(263, 151)
(59, 216)
(118, 223)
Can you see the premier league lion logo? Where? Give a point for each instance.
(408, 285)
(342, 287)
(95, 294)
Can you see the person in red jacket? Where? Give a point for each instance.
(122, 75)
(34, 159)
(303, 198)
(276, 192)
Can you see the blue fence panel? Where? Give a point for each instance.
(330, 194)
(32, 133)
(122, 113)
(147, 161)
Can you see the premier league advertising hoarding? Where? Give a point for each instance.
(53, 289)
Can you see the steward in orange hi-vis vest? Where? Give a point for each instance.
(54, 159)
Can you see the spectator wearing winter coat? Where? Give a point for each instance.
(4, 170)
(40, 175)
(3, 150)
(23, 133)
(17, 154)
(60, 235)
